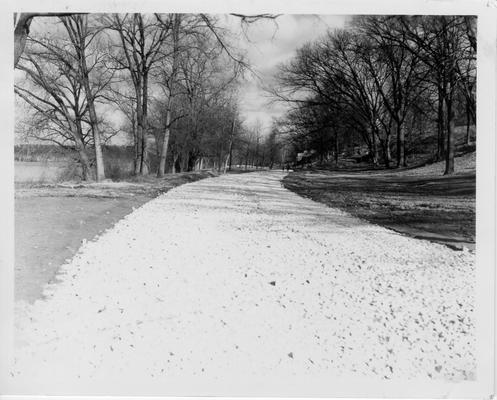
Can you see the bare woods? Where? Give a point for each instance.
(172, 79)
(396, 86)
(386, 82)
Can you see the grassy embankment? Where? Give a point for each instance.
(419, 202)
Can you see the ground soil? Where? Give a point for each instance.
(420, 202)
(53, 220)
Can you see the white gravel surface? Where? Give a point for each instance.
(237, 277)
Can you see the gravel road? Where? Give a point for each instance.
(236, 277)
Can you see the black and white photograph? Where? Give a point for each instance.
(264, 199)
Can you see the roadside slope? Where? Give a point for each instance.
(419, 202)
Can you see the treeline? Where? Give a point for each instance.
(379, 82)
(168, 80)
(254, 149)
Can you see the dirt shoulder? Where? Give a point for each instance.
(51, 221)
(416, 203)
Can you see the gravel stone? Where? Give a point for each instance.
(180, 288)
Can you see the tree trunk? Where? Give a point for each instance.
(388, 153)
(230, 152)
(192, 159)
(449, 154)
(99, 158)
(178, 163)
(468, 123)
(374, 147)
(219, 162)
(256, 157)
(336, 148)
(77, 133)
(77, 28)
(139, 151)
(440, 127)
(163, 154)
(401, 143)
(85, 163)
(230, 156)
(175, 168)
(226, 161)
(165, 143)
(135, 138)
(139, 129)
(21, 32)
(144, 168)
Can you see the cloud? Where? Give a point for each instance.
(268, 44)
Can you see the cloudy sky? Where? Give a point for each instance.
(268, 44)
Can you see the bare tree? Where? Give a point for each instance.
(81, 36)
(141, 39)
(441, 43)
(395, 71)
(335, 75)
(22, 24)
(170, 83)
(377, 79)
(229, 157)
(56, 93)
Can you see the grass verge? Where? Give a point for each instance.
(436, 208)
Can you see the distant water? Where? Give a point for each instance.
(49, 171)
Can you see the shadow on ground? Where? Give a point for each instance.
(436, 208)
